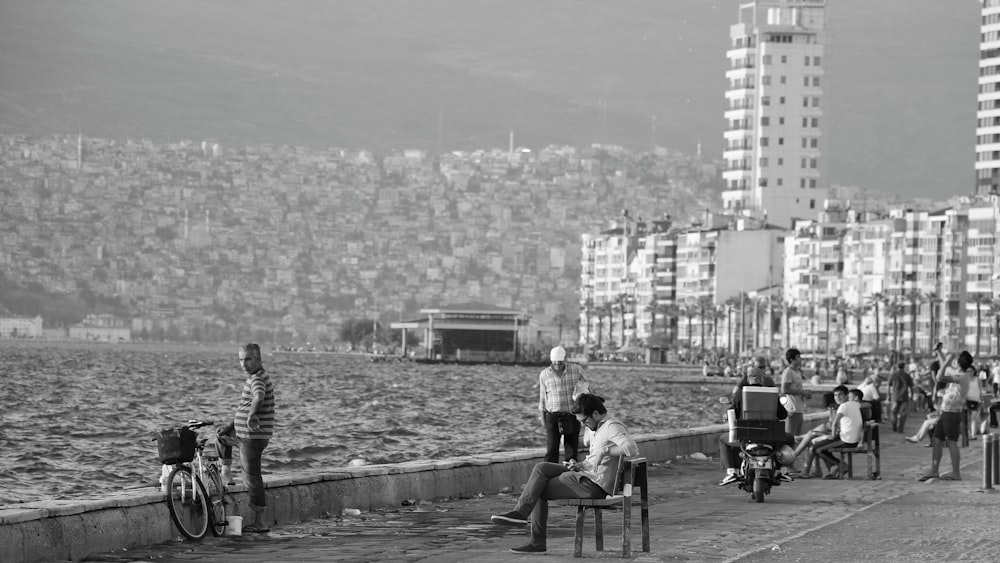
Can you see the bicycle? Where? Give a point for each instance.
(194, 488)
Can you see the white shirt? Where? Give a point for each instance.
(851, 423)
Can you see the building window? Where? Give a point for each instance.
(812, 183)
(780, 182)
(781, 161)
(765, 121)
(781, 100)
(816, 81)
(765, 80)
(807, 60)
(766, 60)
(763, 162)
(783, 80)
(781, 121)
(765, 100)
(815, 61)
(814, 143)
(815, 122)
(763, 141)
(812, 204)
(781, 140)
(784, 59)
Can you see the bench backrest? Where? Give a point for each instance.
(625, 477)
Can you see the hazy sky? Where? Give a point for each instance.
(449, 74)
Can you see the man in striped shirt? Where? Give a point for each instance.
(254, 424)
(558, 386)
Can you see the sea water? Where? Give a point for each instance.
(79, 418)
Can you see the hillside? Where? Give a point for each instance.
(440, 74)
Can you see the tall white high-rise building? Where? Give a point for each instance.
(988, 111)
(773, 138)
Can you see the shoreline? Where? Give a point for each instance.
(74, 530)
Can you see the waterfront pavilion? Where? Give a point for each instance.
(471, 332)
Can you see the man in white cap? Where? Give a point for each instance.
(558, 386)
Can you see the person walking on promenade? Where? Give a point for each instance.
(253, 424)
(558, 386)
(900, 390)
(791, 390)
(949, 425)
(592, 478)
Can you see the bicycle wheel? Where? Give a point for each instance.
(187, 501)
(216, 500)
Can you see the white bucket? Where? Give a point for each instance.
(234, 526)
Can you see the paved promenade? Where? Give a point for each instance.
(692, 519)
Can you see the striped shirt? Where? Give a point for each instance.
(555, 392)
(257, 382)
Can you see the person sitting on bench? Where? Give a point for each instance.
(594, 477)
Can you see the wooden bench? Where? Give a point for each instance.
(869, 445)
(631, 475)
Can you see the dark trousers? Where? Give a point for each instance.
(821, 449)
(565, 428)
(551, 481)
(251, 452)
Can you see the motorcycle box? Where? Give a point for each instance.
(760, 403)
(756, 430)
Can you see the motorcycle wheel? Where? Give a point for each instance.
(758, 488)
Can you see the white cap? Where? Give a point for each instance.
(558, 354)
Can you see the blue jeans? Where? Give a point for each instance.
(250, 453)
(550, 481)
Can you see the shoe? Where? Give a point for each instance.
(512, 518)
(911, 440)
(927, 477)
(785, 477)
(527, 548)
(949, 477)
(831, 475)
(256, 529)
(728, 479)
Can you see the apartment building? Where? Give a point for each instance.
(626, 278)
(773, 139)
(988, 111)
(724, 271)
(21, 327)
(814, 281)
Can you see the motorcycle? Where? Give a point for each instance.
(763, 452)
(759, 470)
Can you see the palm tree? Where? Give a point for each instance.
(689, 310)
(588, 309)
(620, 303)
(603, 310)
(828, 303)
(717, 313)
(560, 320)
(894, 309)
(858, 312)
(705, 307)
(979, 299)
(670, 314)
(774, 299)
(875, 300)
(932, 300)
(731, 304)
(653, 308)
(914, 297)
(842, 309)
(789, 311)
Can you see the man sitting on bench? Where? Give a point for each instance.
(594, 477)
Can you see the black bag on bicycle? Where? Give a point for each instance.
(176, 445)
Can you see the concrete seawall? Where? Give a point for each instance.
(75, 529)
